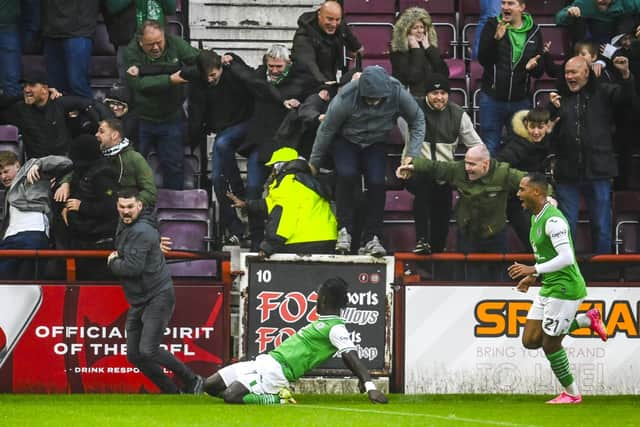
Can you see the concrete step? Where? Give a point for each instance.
(247, 14)
(260, 34)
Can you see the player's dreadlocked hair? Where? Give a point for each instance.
(334, 292)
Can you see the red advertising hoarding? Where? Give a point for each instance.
(71, 338)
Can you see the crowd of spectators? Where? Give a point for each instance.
(339, 121)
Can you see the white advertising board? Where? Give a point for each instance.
(467, 339)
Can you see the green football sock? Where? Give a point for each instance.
(560, 367)
(261, 399)
(581, 321)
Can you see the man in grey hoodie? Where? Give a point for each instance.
(356, 125)
(146, 280)
(27, 209)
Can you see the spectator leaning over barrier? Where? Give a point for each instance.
(139, 264)
(131, 169)
(484, 186)
(158, 98)
(42, 118)
(446, 125)
(277, 86)
(27, 209)
(527, 147)
(298, 129)
(320, 41)
(510, 52)
(68, 28)
(222, 104)
(586, 160)
(297, 208)
(355, 129)
(414, 51)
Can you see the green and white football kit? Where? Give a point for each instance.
(298, 354)
(563, 287)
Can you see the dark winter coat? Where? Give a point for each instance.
(412, 66)
(322, 54)
(44, 129)
(269, 110)
(501, 79)
(69, 18)
(96, 187)
(214, 108)
(584, 144)
(140, 265)
(520, 152)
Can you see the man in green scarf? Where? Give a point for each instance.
(510, 51)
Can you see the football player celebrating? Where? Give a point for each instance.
(553, 313)
(266, 379)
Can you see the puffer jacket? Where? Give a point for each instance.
(412, 66)
(502, 79)
(520, 152)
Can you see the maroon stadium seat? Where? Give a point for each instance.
(626, 217)
(10, 140)
(368, 7)
(399, 229)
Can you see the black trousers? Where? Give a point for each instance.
(145, 329)
(431, 211)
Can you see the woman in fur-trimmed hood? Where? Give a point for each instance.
(414, 50)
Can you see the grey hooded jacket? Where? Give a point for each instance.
(353, 119)
(36, 197)
(140, 265)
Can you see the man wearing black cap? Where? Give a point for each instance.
(446, 124)
(42, 119)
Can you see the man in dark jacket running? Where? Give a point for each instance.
(146, 280)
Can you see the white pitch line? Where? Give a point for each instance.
(413, 414)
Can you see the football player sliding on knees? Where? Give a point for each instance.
(266, 380)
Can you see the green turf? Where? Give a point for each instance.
(315, 410)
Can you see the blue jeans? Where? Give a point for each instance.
(488, 9)
(494, 115)
(10, 62)
(351, 161)
(23, 268)
(225, 175)
(597, 194)
(145, 328)
(166, 138)
(257, 174)
(68, 65)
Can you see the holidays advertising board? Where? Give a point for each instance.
(280, 298)
(71, 338)
(468, 339)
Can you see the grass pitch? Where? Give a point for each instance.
(315, 410)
